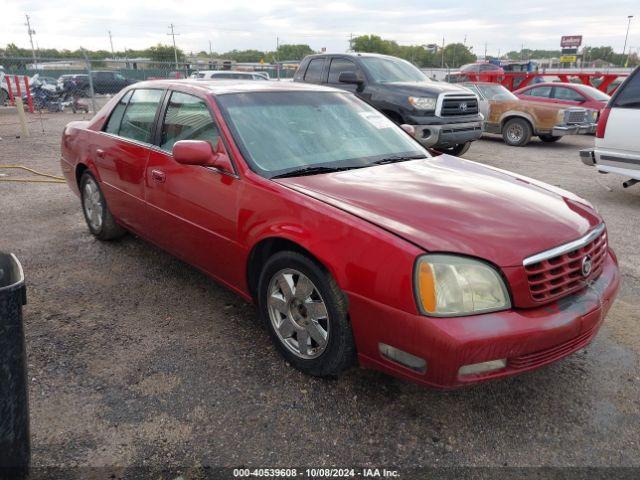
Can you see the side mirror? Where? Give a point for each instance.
(200, 152)
(410, 129)
(350, 77)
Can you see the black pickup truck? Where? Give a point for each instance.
(445, 117)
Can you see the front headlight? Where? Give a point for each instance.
(451, 285)
(560, 116)
(423, 103)
(594, 115)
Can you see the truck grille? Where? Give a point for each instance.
(559, 276)
(455, 105)
(575, 116)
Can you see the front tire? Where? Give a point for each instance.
(517, 132)
(456, 150)
(306, 314)
(549, 138)
(96, 212)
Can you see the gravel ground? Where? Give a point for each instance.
(135, 358)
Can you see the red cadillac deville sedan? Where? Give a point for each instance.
(353, 240)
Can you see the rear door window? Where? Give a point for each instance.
(138, 118)
(539, 92)
(187, 118)
(629, 95)
(563, 93)
(314, 70)
(113, 124)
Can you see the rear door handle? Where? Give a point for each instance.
(158, 175)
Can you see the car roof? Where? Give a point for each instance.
(221, 87)
(483, 83)
(551, 84)
(353, 55)
(227, 71)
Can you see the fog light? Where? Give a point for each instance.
(414, 363)
(483, 367)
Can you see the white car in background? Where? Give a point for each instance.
(617, 147)
(230, 75)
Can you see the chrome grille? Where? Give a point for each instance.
(575, 116)
(560, 275)
(458, 104)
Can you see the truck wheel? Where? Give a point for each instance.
(306, 314)
(516, 132)
(549, 138)
(96, 213)
(457, 150)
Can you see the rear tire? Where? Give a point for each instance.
(516, 132)
(301, 302)
(96, 212)
(549, 138)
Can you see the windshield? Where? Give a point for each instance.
(281, 132)
(385, 70)
(593, 93)
(496, 92)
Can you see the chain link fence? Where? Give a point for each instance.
(81, 85)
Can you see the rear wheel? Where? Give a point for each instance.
(549, 138)
(456, 150)
(96, 212)
(306, 314)
(516, 132)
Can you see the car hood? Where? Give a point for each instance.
(447, 204)
(432, 87)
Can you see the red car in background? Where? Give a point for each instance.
(573, 94)
(352, 239)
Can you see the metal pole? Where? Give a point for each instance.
(89, 74)
(175, 50)
(442, 66)
(31, 33)
(111, 42)
(629, 17)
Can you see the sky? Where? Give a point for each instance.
(259, 24)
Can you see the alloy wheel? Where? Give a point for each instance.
(92, 203)
(298, 313)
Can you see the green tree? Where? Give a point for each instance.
(244, 55)
(161, 53)
(293, 52)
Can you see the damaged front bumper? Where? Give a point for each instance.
(578, 129)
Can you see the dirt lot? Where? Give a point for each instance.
(137, 359)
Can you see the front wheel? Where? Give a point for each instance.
(306, 314)
(516, 132)
(549, 138)
(456, 150)
(96, 213)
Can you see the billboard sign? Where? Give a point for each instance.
(571, 41)
(568, 59)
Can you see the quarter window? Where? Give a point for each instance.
(137, 121)
(629, 96)
(314, 71)
(113, 124)
(339, 65)
(187, 118)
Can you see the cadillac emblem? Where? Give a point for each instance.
(586, 266)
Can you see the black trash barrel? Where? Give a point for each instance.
(15, 447)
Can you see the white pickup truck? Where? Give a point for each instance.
(617, 148)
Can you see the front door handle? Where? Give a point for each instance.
(100, 153)
(158, 175)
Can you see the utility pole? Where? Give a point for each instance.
(31, 34)
(111, 42)
(442, 66)
(275, 57)
(175, 50)
(629, 17)
(485, 51)
(351, 42)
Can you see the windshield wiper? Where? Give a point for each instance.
(398, 158)
(311, 171)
